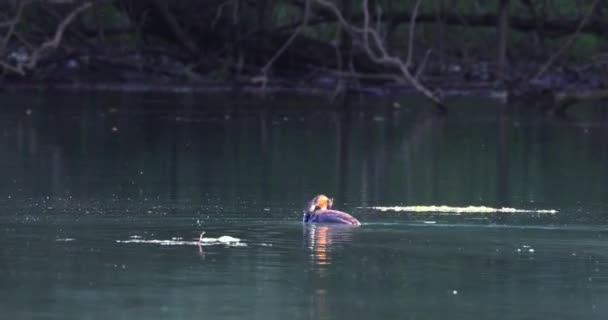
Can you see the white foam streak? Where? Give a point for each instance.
(468, 209)
(223, 240)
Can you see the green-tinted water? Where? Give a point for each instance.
(82, 173)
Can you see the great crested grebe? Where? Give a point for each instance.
(319, 211)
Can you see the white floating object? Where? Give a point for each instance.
(454, 292)
(159, 242)
(178, 241)
(228, 239)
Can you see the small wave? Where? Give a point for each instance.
(468, 209)
(64, 239)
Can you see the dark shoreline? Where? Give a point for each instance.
(485, 91)
(552, 94)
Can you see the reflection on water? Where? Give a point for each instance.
(321, 240)
(81, 172)
(318, 243)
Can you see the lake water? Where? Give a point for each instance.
(103, 198)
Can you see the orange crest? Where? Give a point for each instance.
(323, 202)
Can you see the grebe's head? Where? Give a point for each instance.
(320, 202)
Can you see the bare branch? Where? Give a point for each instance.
(11, 25)
(410, 48)
(176, 29)
(423, 64)
(219, 11)
(365, 22)
(50, 44)
(56, 40)
(9, 67)
(568, 43)
(264, 72)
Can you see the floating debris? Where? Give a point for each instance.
(222, 239)
(177, 241)
(209, 242)
(526, 248)
(160, 242)
(468, 209)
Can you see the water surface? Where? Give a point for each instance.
(83, 172)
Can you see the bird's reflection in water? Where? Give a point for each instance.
(321, 240)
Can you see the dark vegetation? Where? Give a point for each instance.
(549, 51)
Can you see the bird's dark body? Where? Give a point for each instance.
(330, 216)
